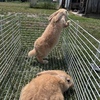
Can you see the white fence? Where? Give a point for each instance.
(10, 43)
(80, 50)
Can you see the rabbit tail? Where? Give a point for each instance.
(32, 53)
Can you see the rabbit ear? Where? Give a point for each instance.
(54, 14)
(47, 72)
(58, 16)
(62, 77)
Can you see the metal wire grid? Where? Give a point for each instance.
(81, 55)
(81, 51)
(16, 39)
(10, 43)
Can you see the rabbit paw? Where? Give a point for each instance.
(68, 21)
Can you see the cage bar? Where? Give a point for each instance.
(81, 49)
(75, 53)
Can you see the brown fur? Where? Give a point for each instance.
(48, 85)
(44, 44)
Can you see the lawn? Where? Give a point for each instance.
(21, 8)
(92, 25)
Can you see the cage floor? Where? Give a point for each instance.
(25, 69)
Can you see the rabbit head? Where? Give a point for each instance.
(63, 76)
(56, 16)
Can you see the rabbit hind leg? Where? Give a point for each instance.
(40, 59)
(57, 96)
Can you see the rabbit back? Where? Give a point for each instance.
(44, 87)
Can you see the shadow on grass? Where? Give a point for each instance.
(53, 64)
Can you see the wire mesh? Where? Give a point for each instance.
(77, 53)
(17, 40)
(10, 43)
(81, 51)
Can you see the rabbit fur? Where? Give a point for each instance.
(44, 44)
(48, 85)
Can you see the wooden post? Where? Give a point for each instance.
(62, 4)
(86, 8)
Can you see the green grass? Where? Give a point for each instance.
(19, 7)
(92, 25)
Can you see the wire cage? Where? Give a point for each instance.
(82, 53)
(77, 53)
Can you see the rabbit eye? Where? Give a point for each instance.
(68, 80)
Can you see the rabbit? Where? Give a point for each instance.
(47, 85)
(45, 43)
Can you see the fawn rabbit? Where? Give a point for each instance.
(44, 44)
(48, 85)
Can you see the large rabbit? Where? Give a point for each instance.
(44, 44)
(48, 85)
